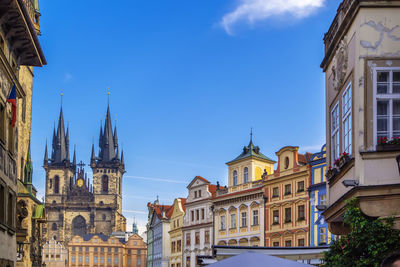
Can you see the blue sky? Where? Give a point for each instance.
(188, 80)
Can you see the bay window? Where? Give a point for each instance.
(335, 132)
(386, 103)
(346, 119)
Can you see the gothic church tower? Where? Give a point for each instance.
(108, 169)
(73, 205)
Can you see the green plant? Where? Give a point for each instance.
(368, 243)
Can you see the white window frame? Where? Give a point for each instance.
(233, 220)
(235, 178)
(345, 116)
(245, 175)
(255, 217)
(335, 132)
(387, 96)
(244, 219)
(222, 220)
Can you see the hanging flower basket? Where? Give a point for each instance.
(342, 161)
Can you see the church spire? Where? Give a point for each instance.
(46, 157)
(92, 157)
(74, 159)
(107, 145)
(60, 142)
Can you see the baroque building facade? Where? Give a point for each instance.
(94, 250)
(239, 208)
(175, 233)
(158, 239)
(362, 81)
(197, 230)
(287, 220)
(75, 207)
(20, 51)
(319, 232)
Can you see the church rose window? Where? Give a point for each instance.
(105, 184)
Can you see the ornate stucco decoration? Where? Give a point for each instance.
(340, 64)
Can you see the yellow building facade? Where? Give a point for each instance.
(239, 208)
(175, 234)
(100, 250)
(287, 208)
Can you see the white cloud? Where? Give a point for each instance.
(256, 10)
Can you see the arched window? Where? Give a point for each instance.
(235, 178)
(79, 225)
(54, 227)
(104, 184)
(56, 185)
(286, 162)
(246, 175)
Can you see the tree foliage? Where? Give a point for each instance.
(367, 244)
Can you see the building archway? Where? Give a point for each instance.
(79, 225)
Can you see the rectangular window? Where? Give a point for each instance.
(222, 221)
(2, 202)
(80, 249)
(255, 217)
(129, 261)
(109, 260)
(233, 220)
(10, 211)
(101, 259)
(95, 249)
(207, 236)
(300, 242)
(178, 246)
(197, 238)
(73, 258)
(244, 219)
(288, 189)
(101, 249)
(188, 239)
(86, 259)
(139, 251)
(115, 249)
(335, 132)
(192, 215)
(80, 259)
(288, 215)
(322, 236)
(300, 186)
(188, 261)
(202, 214)
(95, 259)
(322, 199)
(346, 119)
(195, 194)
(275, 192)
(199, 193)
(288, 243)
(138, 262)
(387, 103)
(197, 215)
(173, 247)
(109, 249)
(301, 212)
(275, 215)
(87, 249)
(275, 244)
(116, 260)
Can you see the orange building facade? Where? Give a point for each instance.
(287, 209)
(101, 250)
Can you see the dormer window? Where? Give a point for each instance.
(235, 178)
(246, 175)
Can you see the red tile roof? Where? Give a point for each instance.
(201, 178)
(213, 189)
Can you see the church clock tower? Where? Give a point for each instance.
(108, 168)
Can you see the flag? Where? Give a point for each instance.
(12, 98)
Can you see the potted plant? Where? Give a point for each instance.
(331, 173)
(385, 144)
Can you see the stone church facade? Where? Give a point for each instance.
(75, 206)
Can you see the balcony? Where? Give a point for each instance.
(18, 22)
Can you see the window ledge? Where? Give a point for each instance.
(255, 224)
(287, 194)
(275, 196)
(244, 226)
(288, 221)
(300, 191)
(275, 223)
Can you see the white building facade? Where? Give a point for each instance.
(198, 221)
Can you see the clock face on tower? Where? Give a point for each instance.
(79, 182)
